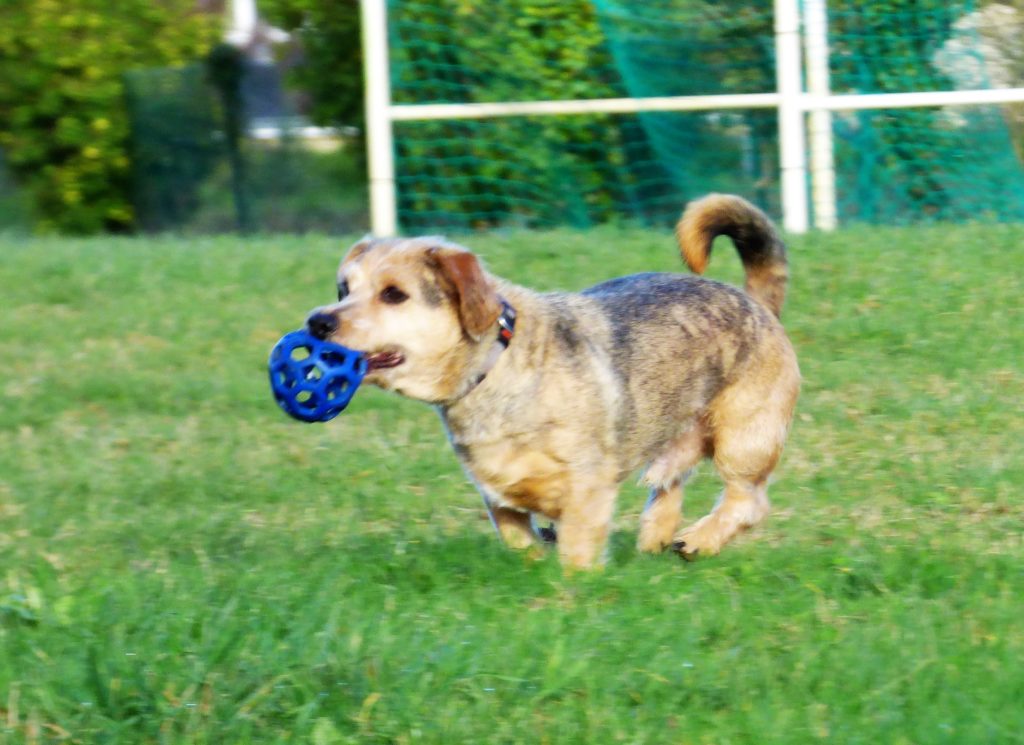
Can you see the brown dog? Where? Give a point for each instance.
(552, 400)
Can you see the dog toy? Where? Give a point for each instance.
(312, 379)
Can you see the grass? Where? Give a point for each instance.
(180, 563)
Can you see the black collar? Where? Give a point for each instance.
(506, 324)
(506, 330)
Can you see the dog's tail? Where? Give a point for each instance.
(758, 242)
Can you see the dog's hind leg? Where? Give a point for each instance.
(742, 505)
(749, 424)
(666, 476)
(660, 518)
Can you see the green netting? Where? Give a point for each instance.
(176, 143)
(187, 177)
(891, 166)
(15, 206)
(523, 170)
(580, 170)
(905, 165)
(683, 48)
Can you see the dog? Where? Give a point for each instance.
(551, 400)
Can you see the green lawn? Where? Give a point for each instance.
(181, 563)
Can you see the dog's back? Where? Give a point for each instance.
(675, 342)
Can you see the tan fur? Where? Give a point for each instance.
(651, 372)
(478, 305)
(756, 240)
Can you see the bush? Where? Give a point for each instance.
(519, 170)
(332, 69)
(63, 121)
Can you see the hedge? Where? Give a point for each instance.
(63, 122)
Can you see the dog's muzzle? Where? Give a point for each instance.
(322, 325)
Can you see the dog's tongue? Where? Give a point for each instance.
(384, 360)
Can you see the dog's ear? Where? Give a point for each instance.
(363, 245)
(462, 275)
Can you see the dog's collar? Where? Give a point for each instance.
(506, 330)
(506, 324)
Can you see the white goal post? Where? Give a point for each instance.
(795, 105)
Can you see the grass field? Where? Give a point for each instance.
(180, 563)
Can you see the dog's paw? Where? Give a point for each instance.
(652, 545)
(548, 534)
(702, 538)
(685, 552)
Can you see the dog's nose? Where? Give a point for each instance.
(322, 325)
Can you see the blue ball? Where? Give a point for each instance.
(313, 380)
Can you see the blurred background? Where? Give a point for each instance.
(209, 116)
(192, 116)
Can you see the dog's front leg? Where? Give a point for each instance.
(514, 526)
(585, 524)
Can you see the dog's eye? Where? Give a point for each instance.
(343, 290)
(392, 295)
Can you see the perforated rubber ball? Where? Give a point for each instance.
(313, 380)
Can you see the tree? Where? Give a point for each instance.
(331, 74)
(63, 119)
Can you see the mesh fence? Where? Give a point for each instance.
(946, 163)
(15, 207)
(900, 165)
(892, 166)
(190, 174)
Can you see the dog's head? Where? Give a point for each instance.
(420, 308)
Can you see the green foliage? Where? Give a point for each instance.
(1002, 28)
(292, 190)
(892, 166)
(194, 171)
(176, 142)
(180, 563)
(545, 170)
(63, 120)
(331, 72)
(925, 163)
(886, 46)
(15, 210)
(692, 47)
(225, 70)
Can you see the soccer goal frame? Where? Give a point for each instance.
(804, 112)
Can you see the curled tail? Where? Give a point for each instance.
(758, 242)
